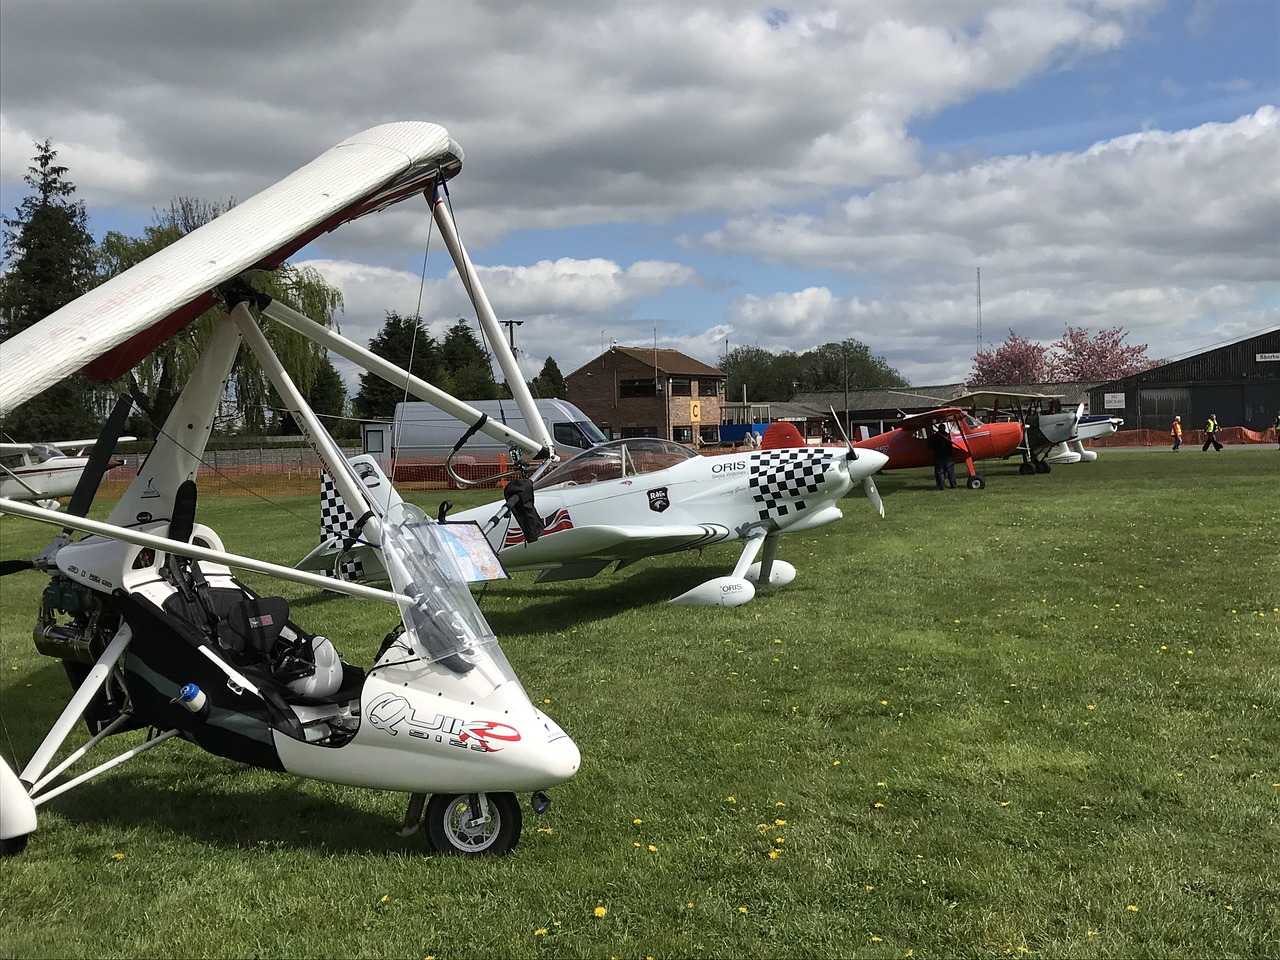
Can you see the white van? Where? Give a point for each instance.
(422, 430)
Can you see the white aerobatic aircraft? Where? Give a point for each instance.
(155, 631)
(628, 499)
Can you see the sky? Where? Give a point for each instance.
(710, 174)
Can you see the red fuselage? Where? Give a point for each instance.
(969, 442)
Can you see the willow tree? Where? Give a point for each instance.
(157, 380)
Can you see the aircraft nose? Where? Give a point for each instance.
(868, 462)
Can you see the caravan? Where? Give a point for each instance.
(422, 430)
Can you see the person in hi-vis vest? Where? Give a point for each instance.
(1176, 432)
(1211, 433)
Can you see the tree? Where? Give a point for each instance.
(1078, 356)
(549, 382)
(158, 378)
(465, 365)
(751, 368)
(847, 364)
(328, 399)
(1017, 360)
(49, 256)
(405, 342)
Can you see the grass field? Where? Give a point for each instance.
(1039, 719)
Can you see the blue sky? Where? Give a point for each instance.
(707, 171)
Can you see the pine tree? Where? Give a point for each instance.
(467, 365)
(49, 258)
(405, 342)
(549, 382)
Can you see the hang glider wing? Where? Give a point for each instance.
(109, 329)
(598, 546)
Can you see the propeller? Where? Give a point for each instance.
(868, 484)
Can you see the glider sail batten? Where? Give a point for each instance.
(364, 173)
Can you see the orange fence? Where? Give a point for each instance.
(1162, 438)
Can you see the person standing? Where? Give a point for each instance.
(1176, 432)
(1211, 433)
(944, 460)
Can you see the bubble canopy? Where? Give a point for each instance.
(617, 460)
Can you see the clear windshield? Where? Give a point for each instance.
(40, 452)
(441, 619)
(616, 461)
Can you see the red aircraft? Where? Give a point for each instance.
(971, 439)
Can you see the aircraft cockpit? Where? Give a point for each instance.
(40, 452)
(617, 460)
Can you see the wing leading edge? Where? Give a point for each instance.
(117, 323)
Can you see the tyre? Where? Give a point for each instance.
(14, 845)
(1026, 469)
(1042, 467)
(448, 827)
(976, 483)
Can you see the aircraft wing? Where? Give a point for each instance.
(941, 415)
(994, 399)
(117, 323)
(601, 544)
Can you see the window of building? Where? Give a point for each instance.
(681, 387)
(708, 388)
(682, 434)
(628, 432)
(638, 388)
(709, 434)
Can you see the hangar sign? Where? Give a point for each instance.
(1113, 401)
(1263, 357)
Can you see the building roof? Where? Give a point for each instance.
(665, 361)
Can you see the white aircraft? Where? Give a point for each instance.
(1089, 428)
(1045, 427)
(625, 500)
(145, 613)
(42, 472)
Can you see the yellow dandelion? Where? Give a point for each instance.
(637, 821)
(1091, 933)
(779, 839)
(689, 905)
(1005, 803)
(117, 856)
(878, 805)
(835, 763)
(773, 854)
(742, 909)
(884, 703)
(1132, 908)
(636, 844)
(540, 932)
(652, 848)
(874, 938)
(1090, 706)
(730, 800)
(779, 804)
(385, 898)
(871, 886)
(600, 911)
(779, 823)
(879, 783)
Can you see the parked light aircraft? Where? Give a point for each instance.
(1044, 425)
(153, 628)
(42, 472)
(1089, 428)
(906, 445)
(625, 500)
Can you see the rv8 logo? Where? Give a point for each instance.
(658, 499)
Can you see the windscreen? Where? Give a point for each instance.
(441, 619)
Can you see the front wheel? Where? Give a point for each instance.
(976, 483)
(451, 829)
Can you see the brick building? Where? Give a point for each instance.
(647, 392)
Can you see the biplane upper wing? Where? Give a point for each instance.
(114, 325)
(995, 399)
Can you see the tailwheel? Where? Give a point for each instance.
(473, 824)
(1026, 468)
(976, 483)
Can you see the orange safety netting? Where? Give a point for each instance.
(1162, 438)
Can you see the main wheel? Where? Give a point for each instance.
(976, 483)
(14, 845)
(1042, 466)
(1026, 468)
(450, 831)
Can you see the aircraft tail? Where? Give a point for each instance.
(781, 435)
(338, 524)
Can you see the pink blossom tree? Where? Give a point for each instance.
(1079, 356)
(1017, 360)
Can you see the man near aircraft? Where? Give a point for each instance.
(1176, 432)
(944, 460)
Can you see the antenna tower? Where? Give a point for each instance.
(979, 350)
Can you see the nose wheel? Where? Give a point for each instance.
(472, 824)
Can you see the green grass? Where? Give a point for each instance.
(1039, 719)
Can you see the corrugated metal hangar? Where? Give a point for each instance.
(1240, 382)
